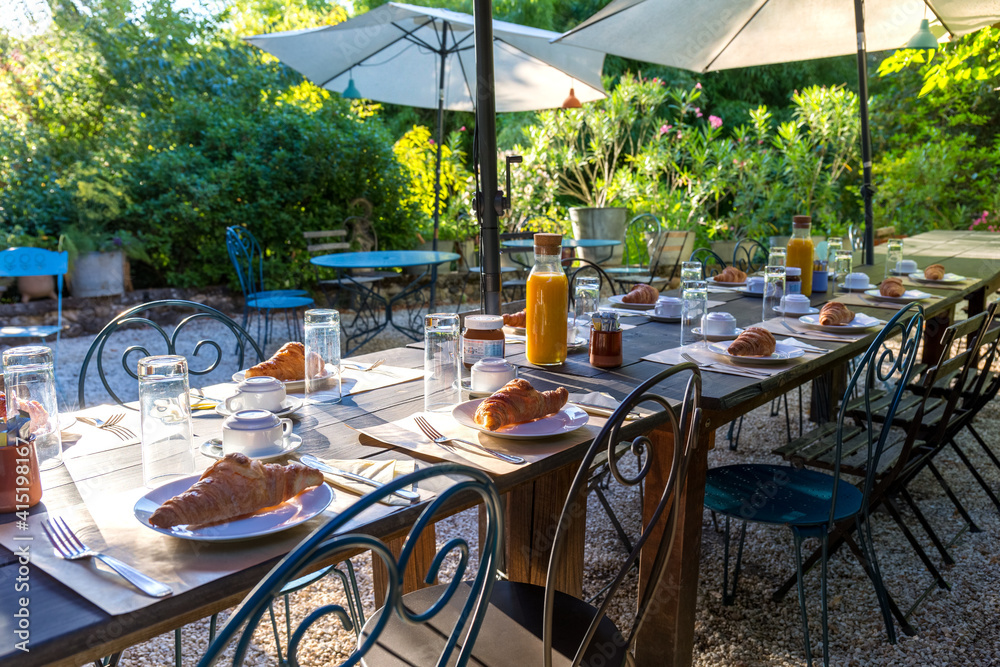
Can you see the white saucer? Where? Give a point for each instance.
(718, 337)
(748, 292)
(844, 287)
(660, 318)
(288, 406)
(781, 309)
(896, 272)
(290, 444)
(467, 387)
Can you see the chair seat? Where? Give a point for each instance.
(33, 331)
(277, 300)
(511, 634)
(778, 494)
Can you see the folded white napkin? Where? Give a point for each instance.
(383, 471)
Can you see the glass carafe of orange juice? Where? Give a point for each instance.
(547, 303)
(800, 250)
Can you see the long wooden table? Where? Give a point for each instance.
(67, 629)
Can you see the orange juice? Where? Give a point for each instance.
(547, 307)
(801, 251)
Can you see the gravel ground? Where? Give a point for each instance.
(956, 627)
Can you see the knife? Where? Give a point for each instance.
(314, 462)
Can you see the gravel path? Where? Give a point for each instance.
(956, 627)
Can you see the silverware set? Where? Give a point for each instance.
(322, 466)
(746, 372)
(441, 440)
(111, 425)
(820, 335)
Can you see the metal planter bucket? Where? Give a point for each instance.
(98, 274)
(599, 223)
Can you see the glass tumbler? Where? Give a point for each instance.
(694, 308)
(690, 271)
(442, 360)
(844, 265)
(587, 295)
(777, 256)
(322, 341)
(29, 377)
(774, 290)
(833, 245)
(893, 255)
(165, 419)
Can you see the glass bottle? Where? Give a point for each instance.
(547, 303)
(800, 250)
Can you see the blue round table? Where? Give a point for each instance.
(526, 245)
(384, 259)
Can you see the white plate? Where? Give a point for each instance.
(717, 337)
(617, 300)
(65, 421)
(666, 320)
(288, 406)
(949, 279)
(782, 353)
(517, 331)
(723, 284)
(290, 513)
(566, 420)
(844, 287)
(811, 311)
(290, 385)
(909, 296)
(747, 292)
(861, 322)
(290, 444)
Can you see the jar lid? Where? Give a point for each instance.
(493, 365)
(793, 271)
(487, 322)
(801, 221)
(251, 420)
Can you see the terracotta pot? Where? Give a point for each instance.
(36, 287)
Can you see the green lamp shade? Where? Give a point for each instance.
(924, 38)
(352, 92)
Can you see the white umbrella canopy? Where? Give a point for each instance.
(394, 54)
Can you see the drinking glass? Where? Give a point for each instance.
(690, 271)
(777, 256)
(844, 264)
(442, 357)
(893, 255)
(774, 290)
(29, 376)
(587, 295)
(694, 308)
(834, 244)
(165, 419)
(322, 341)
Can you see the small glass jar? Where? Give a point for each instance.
(483, 337)
(793, 280)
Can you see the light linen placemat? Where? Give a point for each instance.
(860, 299)
(780, 326)
(916, 284)
(717, 363)
(356, 381)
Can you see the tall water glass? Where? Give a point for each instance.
(893, 255)
(322, 341)
(844, 261)
(774, 290)
(693, 309)
(834, 244)
(29, 376)
(691, 271)
(442, 359)
(587, 295)
(777, 256)
(165, 419)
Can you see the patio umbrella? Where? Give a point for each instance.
(424, 57)
(725, 34)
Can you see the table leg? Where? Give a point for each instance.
(667, 633)
(933, 333)
(420, 561)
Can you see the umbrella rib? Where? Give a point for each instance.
(587, 24)
(733, 38)
(405, 36)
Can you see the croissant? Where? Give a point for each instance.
(730, 274)
(516, 402)
(288, 363)
(892, 286)
(642, 293)
(518, 319)
(234, 487)
(753, 342)
(835, 313)
(934, 272)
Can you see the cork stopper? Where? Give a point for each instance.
(799, 221)
(548, 244)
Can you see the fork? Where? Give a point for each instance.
(747, 372)
(110, 424)
(440, 439)
(818, 336)
(69, 547)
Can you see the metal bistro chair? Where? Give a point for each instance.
(526, 624)
(813, 503)
(647, 247)
(711, 264)
(248, 260)
(22, 262)
(750, 256)
(466, 599)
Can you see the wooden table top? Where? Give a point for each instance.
(65, 625)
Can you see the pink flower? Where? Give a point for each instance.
(697, 112)
(431, 142)
(461, 129)
(664, 129)
(679, 135)
(715, 122)
(697, 86)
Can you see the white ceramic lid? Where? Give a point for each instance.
(720, 317)
(251, 420)
(484, 322)
(260, 383)
(670, 299)
(793, 271)
(797, 298)
(493, 365)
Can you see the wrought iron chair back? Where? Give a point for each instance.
(642, 242)
(750, 256)
(140, 316)
(711, 263)
(325, 544)
(684, 428)
(585, 267)
(23, 262)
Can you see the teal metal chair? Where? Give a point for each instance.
(711, 263)
(643, 246)
(328, 541)
(750, 256)
(20, 262)
(813, 503)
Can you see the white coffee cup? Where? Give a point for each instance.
(254, 433)
(906, 266)
(492, 373)
(719, 324)
(796, 304)
(262, 392)
(669, 306)
(856, 280)
(755, 284)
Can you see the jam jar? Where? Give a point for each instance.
(483, 337)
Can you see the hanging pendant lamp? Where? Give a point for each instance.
(923, 38)
(351, 92)
(571, 102)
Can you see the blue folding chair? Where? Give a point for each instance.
(19, 262)
(248, 260)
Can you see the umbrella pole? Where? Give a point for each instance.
(487, 130)
(866, 140)
(437, 178)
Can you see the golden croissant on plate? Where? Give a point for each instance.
(288, 363)
(753, 342)
(730, 274)
(934, 272)
(517, 402)
(892, 286)
(233, 487)
(642, 293)
(835, 313)
(518, 319)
